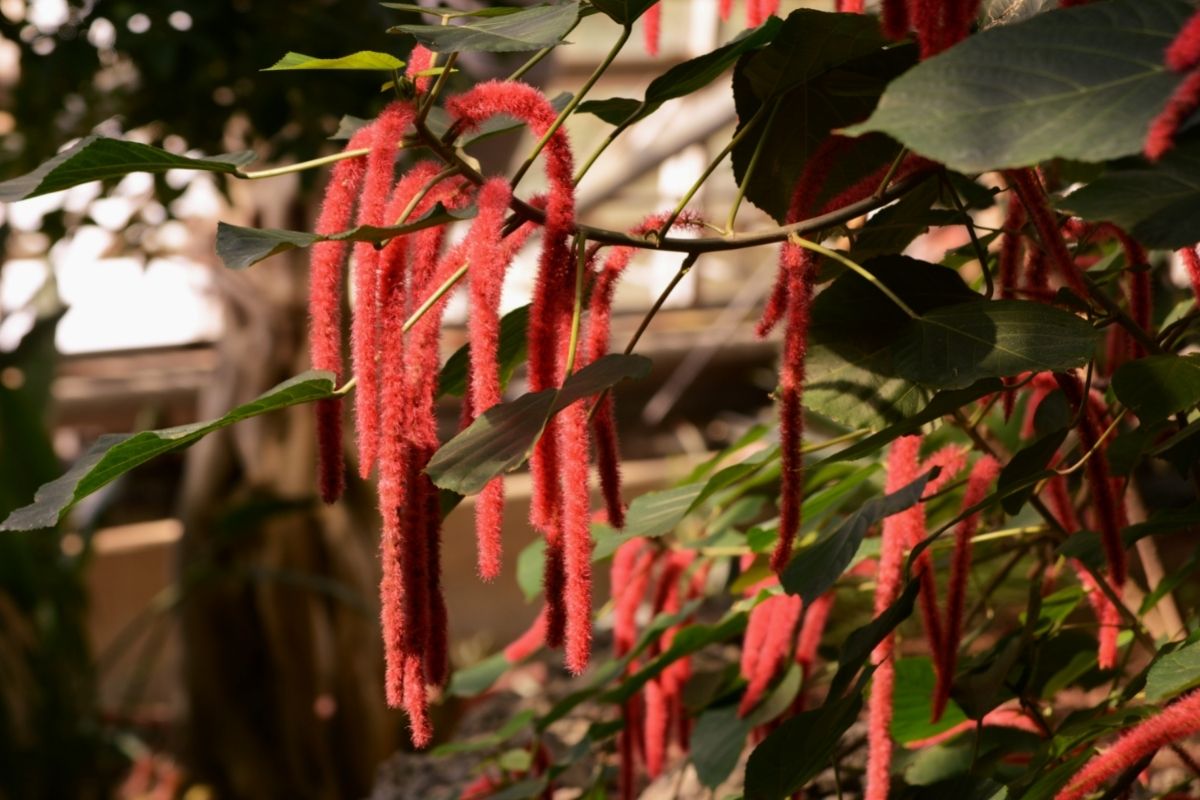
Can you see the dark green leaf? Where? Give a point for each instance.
(826, 71)
(1155, 387)
(513, 327)
(1081, 83)
(363, 60)
(95, 158)
(716, 744)
(895, 227)
(687, 641)
(488, 740)
(528, 29)
(1174, 673)
(1025, 463)
(1156, 202)
(624, 12)
(813, 570)
(912, 706)
(115, 454)
(501, 437)
(798, 749)
(955, 346)
(241, 247)
(682, 79)
(657, 513)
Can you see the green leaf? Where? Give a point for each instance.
(1157, 203)
(488, 740)
(1155, 387)
(798, 749)
(716, 744)
(955, 346)
(96, 158)
(113, 455)
(1174, 673)
(362, 60)
(1025, 463)
(477, 678)
(687, 640)
(530, 563)
(826, 70)
(241, 247)
(1081, 83)
(862, 641)
(501, 437)
(528, 29)
(683, 79)
(912, 706)
(512, 346)
(657, 513)
(813, 570)
(895, 227)
(624, 12)
(851, 375)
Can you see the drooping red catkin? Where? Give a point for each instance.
(416, 702)
(754, 14)
(630, 577)
(656, 727)
(528, 642)
(577, 538)
(1184, 52)
(784, 615)
(1028, 187)
(1191, 261)
(895, 18)
(548, 324)
(487, 265)
(996, 718)
(725, 8)
(652, 28)
(419, 60)
(596, 345)
(1140, 300)
(850, 6)
(902, 469)
(1107, 507)
(325, 307)
(950, 461)
(982, 474)
(767, 9)
(381, 165)
(1175, 722)
(1011, 248)
(1182, 102)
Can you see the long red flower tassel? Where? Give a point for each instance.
(902, 469)
(1191, 260)
(1177, 721)
(1183, 55)
(325, 308)
(850, 6)
(1011, 247)
(1029, 188)
(982, 474)
(652, 30)
(487, 266)
(782, 615)
(381, 164)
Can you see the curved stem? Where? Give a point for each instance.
(577, 310)
(684, 269)
(571, 106)
(969, 223)
(857, 268)
(750, 168)
(612, 137)
(300, 166)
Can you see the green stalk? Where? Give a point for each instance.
(577, 311)
(858, 268)
(750, 168)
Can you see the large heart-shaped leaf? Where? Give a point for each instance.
(241, 247)
(825, 71)
(362, 60)
(113, 455)
(501, 437)
(96, 158)
(528, 29)
(1081, 83)
(682, 79)
(955, 346)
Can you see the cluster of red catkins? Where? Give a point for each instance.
(395, 366)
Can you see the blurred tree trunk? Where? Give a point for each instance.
(282, 663)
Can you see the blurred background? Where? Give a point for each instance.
(204, 625)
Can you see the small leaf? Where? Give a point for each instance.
(624, 12)
(1025, 463)
(501, 437)
(113, 455)
(862, 641)
(1081, 83)
(955, 346)
(241, 247)
(716, 744)
(528, 29)
(1174, 673)
(97, 158)
(683, 79)
(530, 563)
(1155, 387)
(657, 513)
(478, 678)
(363, 60)
(813, 570)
